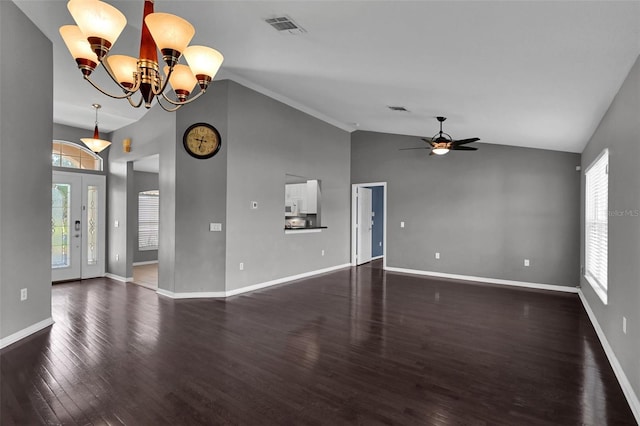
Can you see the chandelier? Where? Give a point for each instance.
(96, 144)
(98, 26)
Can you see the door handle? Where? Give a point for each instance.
(77, 225)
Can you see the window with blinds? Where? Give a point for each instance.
(596, 224)
(148, 219)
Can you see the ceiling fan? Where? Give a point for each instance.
(442, 142)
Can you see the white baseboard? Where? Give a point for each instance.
(627, 389)
(222, 294)
(377, 257)
(25, 332)
(538, 286)
(147, 262)
(286, 279)
(191, 295)
(118, 278)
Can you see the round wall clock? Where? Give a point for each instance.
(202, 140)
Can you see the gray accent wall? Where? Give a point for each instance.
(619, 131)
(142, 181)
(267, 140)
(484, 211)
(26, 111)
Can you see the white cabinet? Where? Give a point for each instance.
(311, 202)
(303, 195)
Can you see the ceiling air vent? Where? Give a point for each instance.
(398, 108)
(284, 23)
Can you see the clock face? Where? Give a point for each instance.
(202, 140)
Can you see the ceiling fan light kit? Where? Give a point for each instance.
(98, 27)
(442, 142)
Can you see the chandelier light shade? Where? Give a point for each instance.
(124, 69)
(203, 62)
(80, 48)
(96, 144)
(98, 26)
(100, 22)
(440, 151)
(182, 80)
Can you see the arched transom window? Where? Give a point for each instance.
(74, 156)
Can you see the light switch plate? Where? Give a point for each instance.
(254, 204)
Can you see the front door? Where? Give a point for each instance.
(364, 226)
(77, 226)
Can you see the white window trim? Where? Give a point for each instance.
(598, 288)
(83, 148)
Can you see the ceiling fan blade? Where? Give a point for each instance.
(428, 140)
(464, 141)
(422, 147)
(463, 148)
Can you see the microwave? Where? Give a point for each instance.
(291, 208)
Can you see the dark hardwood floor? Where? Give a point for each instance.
(353, 347)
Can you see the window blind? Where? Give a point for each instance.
(148, 220)
(596, 224)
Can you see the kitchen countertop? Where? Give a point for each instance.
(306, 227)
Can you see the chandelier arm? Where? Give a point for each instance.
(188, 101)
(126, 95)
(134, 104)
(129, 91)
(165, 81)
(166, 108)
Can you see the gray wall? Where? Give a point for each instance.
(201, 197)
(268, 139)
(619, 131)
(142, 181)
(153, 134)
(483, 211)
(26, 111)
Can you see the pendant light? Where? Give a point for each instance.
(96, 144)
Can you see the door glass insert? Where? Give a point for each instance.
(60, 224)
(92, 225)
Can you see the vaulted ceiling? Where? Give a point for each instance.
(526, 73)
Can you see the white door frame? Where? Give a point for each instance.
(354, 220)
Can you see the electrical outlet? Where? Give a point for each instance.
(242, 266)
(116, 223)
(401, 224)
(215, 227)
(437, 255)
(526, 262)
(117, 257)
(323, 252)
(23, 294)
(624, 324)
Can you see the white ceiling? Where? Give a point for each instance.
(527, 73)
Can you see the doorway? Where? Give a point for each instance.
(368, 222)
(77, 226)
(145, 224)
